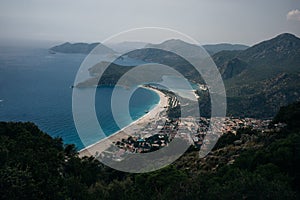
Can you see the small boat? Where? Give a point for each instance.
(146, 111)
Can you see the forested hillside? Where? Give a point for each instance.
(264, 166)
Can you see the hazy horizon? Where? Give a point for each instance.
(208, 22)
(49, 43)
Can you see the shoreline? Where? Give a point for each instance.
(129, 130)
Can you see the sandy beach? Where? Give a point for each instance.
(158, 111)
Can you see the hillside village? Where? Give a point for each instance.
(196, 131)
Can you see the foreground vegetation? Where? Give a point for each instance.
(35, 166)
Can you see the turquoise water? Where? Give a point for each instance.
(35, 86)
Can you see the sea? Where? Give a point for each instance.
(35, 86)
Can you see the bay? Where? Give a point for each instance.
(35, 87)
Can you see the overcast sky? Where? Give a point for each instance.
(208, 21)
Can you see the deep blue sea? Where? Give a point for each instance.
(35, 86)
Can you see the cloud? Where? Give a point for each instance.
(293, 15)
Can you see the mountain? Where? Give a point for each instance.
(258, 80)
(82, 48)
(215, 48)
(284, 47)
(177, 45)
(126, 46)
(280, 54)
(193, 48)
(262, 77)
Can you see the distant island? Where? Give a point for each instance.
(81, 48)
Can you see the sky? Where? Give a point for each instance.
(207, 21)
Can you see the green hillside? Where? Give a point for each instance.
(258, 80)
(261, 78)
(265, 165)
(215, 48)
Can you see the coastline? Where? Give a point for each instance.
(129, 130)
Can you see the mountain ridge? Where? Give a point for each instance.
(123, 47)
(262, 77)
(215, 48)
